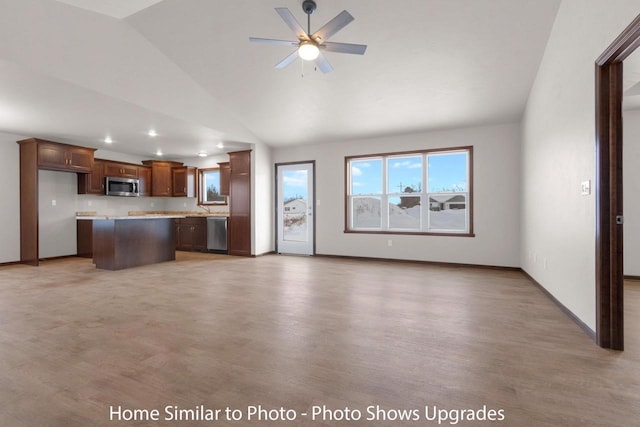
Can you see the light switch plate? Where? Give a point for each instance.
(586, 187)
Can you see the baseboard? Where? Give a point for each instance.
(632, 278)
(7, 264)
(587, 330)
(412, 261)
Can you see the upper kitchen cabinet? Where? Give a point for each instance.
(120, 170)
(225, 175)
(144, 179)
(184, 181)
(38, 154)
(161, 177)
(92, 183)
(63, 157)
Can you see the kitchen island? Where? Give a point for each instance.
(121, 242)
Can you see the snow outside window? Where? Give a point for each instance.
(420, 192)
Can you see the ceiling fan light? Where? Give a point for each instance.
(308, 51)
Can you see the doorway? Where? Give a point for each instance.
(609, 180)
(295, 208)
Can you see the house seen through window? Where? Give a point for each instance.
(419, 192)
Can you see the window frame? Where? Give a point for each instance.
(202, 189)
(423, 194)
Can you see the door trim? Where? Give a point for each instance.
(608, 188)
(313, 219)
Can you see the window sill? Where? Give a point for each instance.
(410, 233)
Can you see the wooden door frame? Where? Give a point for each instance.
(313, 220)
(608, 188)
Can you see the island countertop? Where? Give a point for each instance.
(120, 217)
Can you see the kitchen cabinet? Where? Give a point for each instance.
(191, 234)
(144, 179)
(225, 175)
(92, 183)
(63, 157)
(184, 181)
(84, 238)
(239, 224)
(161, 177)
(120, 170)
(36, 154)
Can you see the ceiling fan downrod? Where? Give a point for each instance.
(309, 6)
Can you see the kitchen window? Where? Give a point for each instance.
(209, 193)
(421, 192)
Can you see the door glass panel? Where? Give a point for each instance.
(295, 221)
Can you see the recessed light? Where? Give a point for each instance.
(202, 154)
(108, 140)
(159, 153)
(220, 145)
(152, 133)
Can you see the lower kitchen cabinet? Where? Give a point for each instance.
(191, 234)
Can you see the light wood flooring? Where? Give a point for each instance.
(298, 332)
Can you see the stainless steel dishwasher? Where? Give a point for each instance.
(217, 234)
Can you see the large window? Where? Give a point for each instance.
(209, 193)
(419, 192)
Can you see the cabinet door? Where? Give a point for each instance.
(51, 155)
(225, 175)
(239, 225)
(179, 176)
(92, 183)
(200, 234)
(121, 170)
(79, 159)
(144, 176)
(161, 177)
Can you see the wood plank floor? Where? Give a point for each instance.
(299, 332)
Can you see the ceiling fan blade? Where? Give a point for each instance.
(323, 64)
(356, 49)
(291, 21)
(333, 26)
(273, 41)
(288, 60)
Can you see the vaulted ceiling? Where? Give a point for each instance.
(79, 70)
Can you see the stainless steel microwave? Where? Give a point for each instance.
(115, 186)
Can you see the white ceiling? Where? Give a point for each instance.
(78, 70)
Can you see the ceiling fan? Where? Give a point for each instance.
(309, 46)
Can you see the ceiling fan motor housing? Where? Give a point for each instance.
(309, 6)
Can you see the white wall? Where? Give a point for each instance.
(558, 224)
(496, 196)
(631, 196)
(262, 194)
(10, 196)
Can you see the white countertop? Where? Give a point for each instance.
(99, 217)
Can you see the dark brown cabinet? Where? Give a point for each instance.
(239, 224)
(183, 181)
(225, 175)
(161, 177)
(120, 170)
(84, 238)
(144, 178)
(191, 234)
(38, 154)
(63, 157)
(92, 183)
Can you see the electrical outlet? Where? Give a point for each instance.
(389, 242)
(545, 263)
(89, 203)
(53, 203)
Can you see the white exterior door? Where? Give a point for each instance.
(295, 206)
